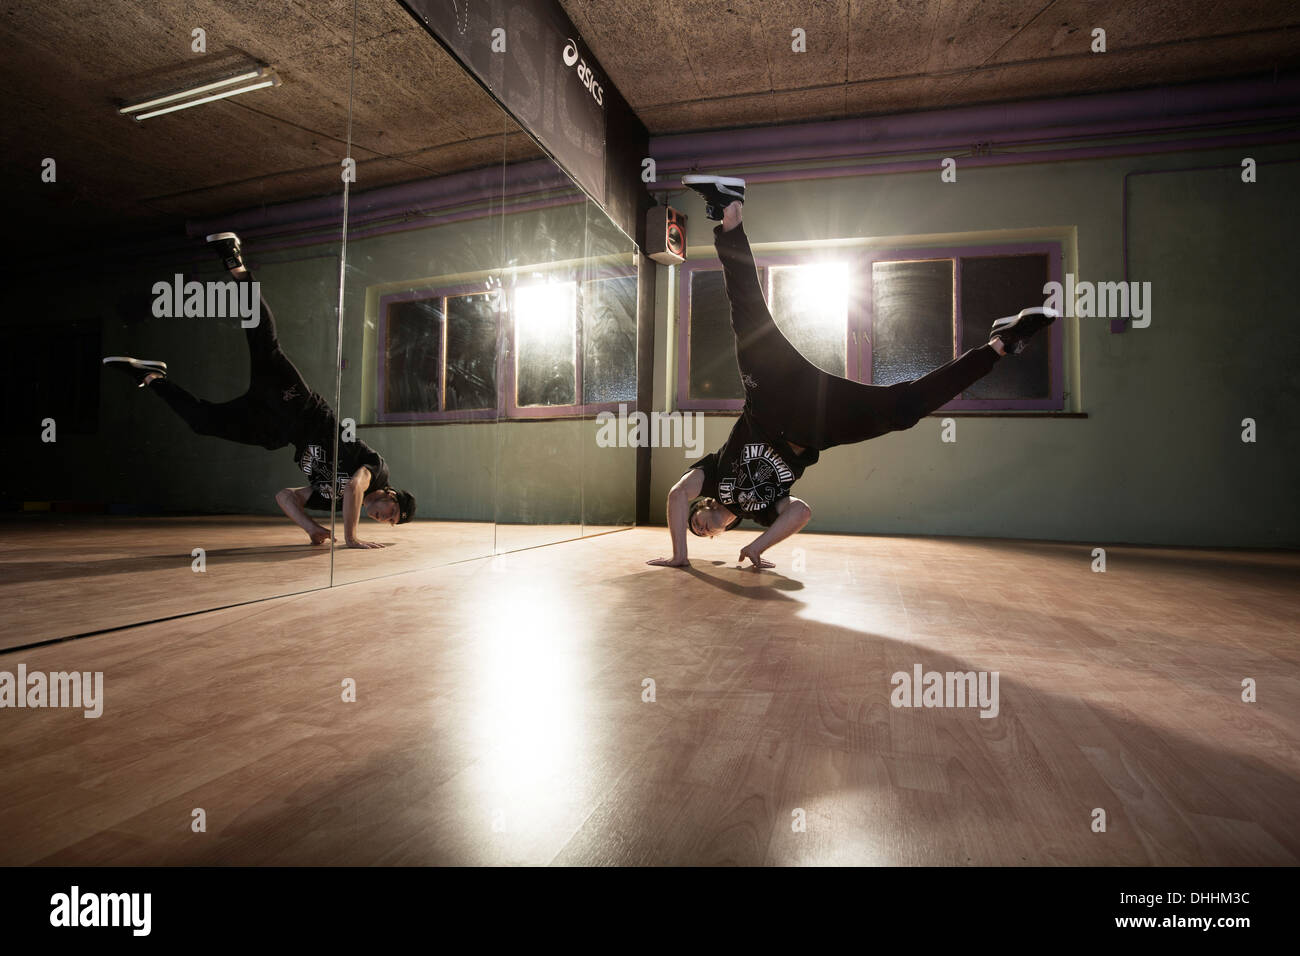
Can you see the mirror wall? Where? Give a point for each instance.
(570, 355)
(488, 315)
(137, 504)
(421, 329)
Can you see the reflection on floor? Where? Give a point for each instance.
(502, 714)
(516, 537)
(69, 574)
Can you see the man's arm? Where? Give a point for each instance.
(679, 510)
(352, 497)
(792, 515)
(292, 502)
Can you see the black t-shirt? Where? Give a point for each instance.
(313, 446)
(753, 471)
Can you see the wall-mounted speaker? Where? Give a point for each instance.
(665, 235)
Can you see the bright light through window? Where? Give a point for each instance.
(546, 343)
(811, 306)
(545, 313)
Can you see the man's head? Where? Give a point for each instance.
(390, 506)
(708, 518)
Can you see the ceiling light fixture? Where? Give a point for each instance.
(192, 96)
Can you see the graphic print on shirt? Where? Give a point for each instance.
(319, 473)
(757, 481)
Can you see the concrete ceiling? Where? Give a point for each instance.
(687, 65)
(682, 64)
(69, 63)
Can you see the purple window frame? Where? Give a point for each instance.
(506, 361)
(860, 329)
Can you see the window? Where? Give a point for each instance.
(439, 349)
(811, 306)
(470, 373)
(911, 318)
(546, 344)
(609, 339)
(712, 374)
(438, 357)
(881, 316)
(989, 287)
(413, 356)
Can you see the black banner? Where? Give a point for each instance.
(962, 908)
(530, 58)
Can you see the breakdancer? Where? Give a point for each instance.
(277, 410)
(793, 410)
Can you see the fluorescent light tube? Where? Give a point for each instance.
(265, 76)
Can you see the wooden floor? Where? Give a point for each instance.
(499, 714)
(62, 575)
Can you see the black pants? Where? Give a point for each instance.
(805, 405)
(268, 413)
